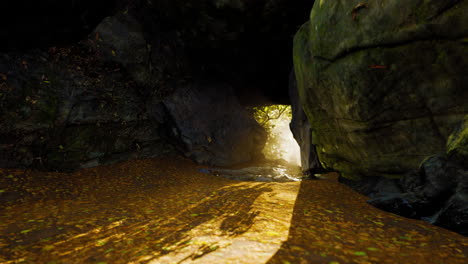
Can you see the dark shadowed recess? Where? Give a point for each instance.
(29, 24)
(247, 44)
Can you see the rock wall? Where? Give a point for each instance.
(302, 131)
(383, 83)
(384, 87)
(101, 82)
(62, 110)
(114, 96)
(214, 127)
(437, 192)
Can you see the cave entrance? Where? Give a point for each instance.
(281, 145)
(282, 161)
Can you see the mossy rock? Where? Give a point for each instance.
(382, 83)
(68, 112)
(457, 144)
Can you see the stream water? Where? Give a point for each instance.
(259, 173)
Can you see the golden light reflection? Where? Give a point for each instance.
(237, 222)
(280, 142)
(249, 241)
(290, 149)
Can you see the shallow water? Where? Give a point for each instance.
(265, 173)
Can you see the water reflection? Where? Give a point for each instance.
(261, 173)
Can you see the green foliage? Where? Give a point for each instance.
(458, 141)
(266, 115)
(269, 117)
(360, 253)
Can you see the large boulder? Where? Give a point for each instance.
(302, 132)
(158, 63)
(437, 192)
(214, 127)
(454, 213)
(94, 102)
(67, 109)
(383, 83)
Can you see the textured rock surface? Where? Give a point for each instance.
(437, 192)
(97, 97)
(383, 83)
(157, 62)
(101, 101)
(63, 110)
(302, 131)
(214, 127)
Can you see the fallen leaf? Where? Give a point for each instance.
(48, 247)
(360, 253)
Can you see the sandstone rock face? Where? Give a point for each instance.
(383, 83)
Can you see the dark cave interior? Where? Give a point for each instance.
(247, 46)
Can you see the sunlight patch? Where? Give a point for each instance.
(280, 142)
(213, 241)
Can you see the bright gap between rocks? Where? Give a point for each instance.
(280, 144)
(282, 157)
